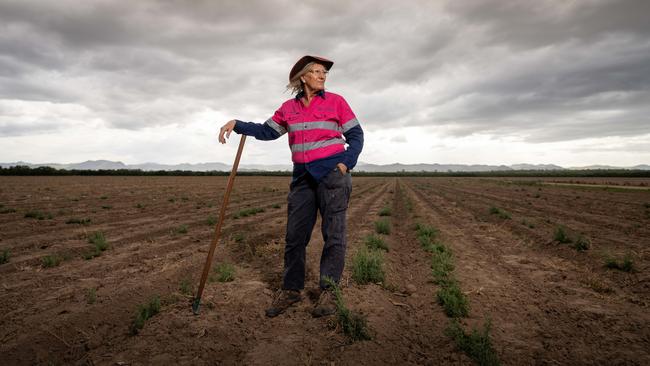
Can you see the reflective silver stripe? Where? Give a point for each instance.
(323, 125)
(274, 125)
(349, 124)
(315, 145)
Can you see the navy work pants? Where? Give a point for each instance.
(306, 198)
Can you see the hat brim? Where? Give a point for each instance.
(307, 59)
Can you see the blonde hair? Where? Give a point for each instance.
(295, 84)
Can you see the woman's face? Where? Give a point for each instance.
(314, 79)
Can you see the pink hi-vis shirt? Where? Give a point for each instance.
(316, 131)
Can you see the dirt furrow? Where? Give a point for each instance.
(565, 322)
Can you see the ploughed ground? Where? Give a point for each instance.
(547, 302)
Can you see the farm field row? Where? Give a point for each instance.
(528, 256)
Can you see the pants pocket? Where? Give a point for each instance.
(337, 190)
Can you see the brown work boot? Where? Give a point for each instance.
(326, 305)
(283, 299)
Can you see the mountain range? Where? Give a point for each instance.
(365, 167)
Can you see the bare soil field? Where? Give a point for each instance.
(550, 301)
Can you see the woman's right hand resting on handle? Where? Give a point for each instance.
(226, 129)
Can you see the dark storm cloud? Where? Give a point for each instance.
(542, 71)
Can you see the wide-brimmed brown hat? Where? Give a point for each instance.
(307, 59)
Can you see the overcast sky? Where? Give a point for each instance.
(463, 81)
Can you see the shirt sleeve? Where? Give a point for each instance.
(273, 128)
(347, 119)
(353, 134)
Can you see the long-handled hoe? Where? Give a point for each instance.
(217, 230)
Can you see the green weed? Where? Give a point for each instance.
(382, 227)
(185, 287)
(107, 207)
(477, 344)
(211, 220)
(276, 205)
(375, 242)
(385, 211)
(238, 237)
(248, 212)
(7, 210)
(442, 264)
(582, 243)
(223, 272)
(354, 325)
(144, 313)
(181, 229)
(85, 221)
(51, 261)
(4, 257)
(98, 240)
(367, 267)
(561, 235)
(625, 265)
(103, 197)
(453, 300)
(39, 215)
(139, 205)
(500, 213)
(529, 224)
(426, 231)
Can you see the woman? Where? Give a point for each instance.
(316, 122)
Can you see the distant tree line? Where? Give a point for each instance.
(23, 170)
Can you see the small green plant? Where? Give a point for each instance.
(500, 213)
(91, 295)
(51, 261)
(39, 215)
(385, 211)
(527, 223)
(185, 287)
(248, 212)
(477, 344)
(582, 243)
(354, 325)
(238, 237)
(426, 231)
(211, 220)
(375, 242)
(561, 235)
(139, 205)
(85, 221)
(276, 205)
(625, 265)
(426, 236)
(103, 197)
(181, 229)
(7, 210)
(107, 207)
(223, 272)
(98, 241)
(382, 227)
(4, 257)
(144, 313)
(453, 300)
(367, 267)
(442, 264)
(184, 198)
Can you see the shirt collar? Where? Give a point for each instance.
(321, 93)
